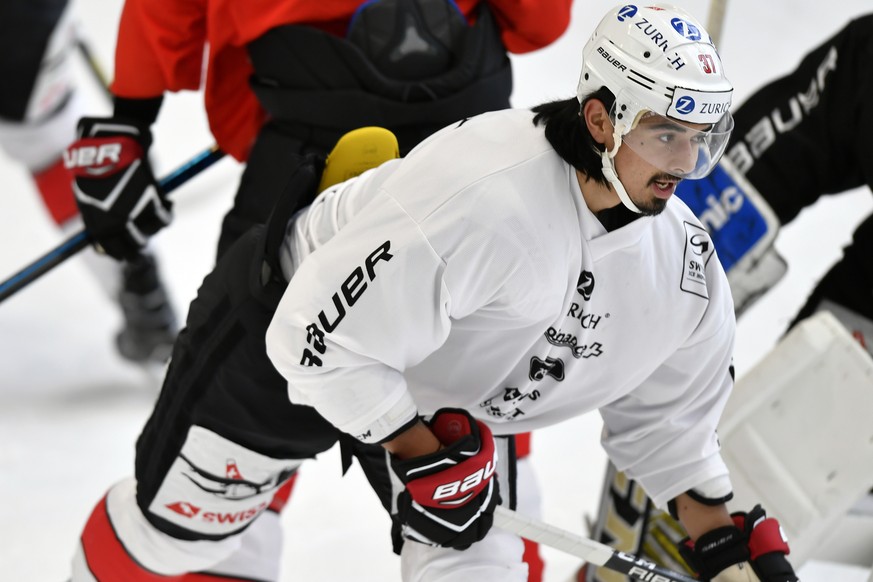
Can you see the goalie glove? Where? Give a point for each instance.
(118, 198)
(752, 550)
(450, 495)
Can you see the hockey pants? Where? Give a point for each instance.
(215, 458)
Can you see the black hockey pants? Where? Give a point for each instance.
(25, 29)
(223, 399)
(221, 381)
(806, 135)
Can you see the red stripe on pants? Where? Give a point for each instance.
(107, 557)
(55, 186)
(109, 560)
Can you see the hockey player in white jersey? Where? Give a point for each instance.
(792, 144)
(516, 269)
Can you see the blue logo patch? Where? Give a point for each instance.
(686, 29)
(727, 213)
(625, 12)
(685, 105)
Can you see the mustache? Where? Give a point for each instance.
(664, 177)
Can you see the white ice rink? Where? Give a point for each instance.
(70, 409)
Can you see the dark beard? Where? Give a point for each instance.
(656, 206)
(653, 208)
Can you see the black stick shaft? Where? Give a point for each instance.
(643, 570)
(96, 70)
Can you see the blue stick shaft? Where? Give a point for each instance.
(80, 240)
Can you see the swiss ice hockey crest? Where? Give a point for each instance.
(698, 251)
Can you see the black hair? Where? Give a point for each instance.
(566, 131)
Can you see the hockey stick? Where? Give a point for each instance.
(587, 549)
(97, 71)
(715, 20)
(80, 240)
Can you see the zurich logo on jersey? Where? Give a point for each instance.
(686, 29)
(625, 12)
(685, 105)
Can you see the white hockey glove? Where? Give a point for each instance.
(752, 550)
(450, 495)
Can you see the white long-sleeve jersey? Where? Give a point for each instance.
(471, 274)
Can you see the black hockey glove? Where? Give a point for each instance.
(120, 202)
(752, 550)
(450, 495)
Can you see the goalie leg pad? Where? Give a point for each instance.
(859, 326)
(817, 377)
(628, 521)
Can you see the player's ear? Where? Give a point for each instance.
(596, 119)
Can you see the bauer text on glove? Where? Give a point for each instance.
(753, 549)
(120, 202)
(450, 495)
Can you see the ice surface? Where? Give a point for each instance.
(70, 410)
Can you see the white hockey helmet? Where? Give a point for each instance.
(659, 61)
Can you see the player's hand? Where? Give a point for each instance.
(451, 494)
(752, 550)
(120, 202)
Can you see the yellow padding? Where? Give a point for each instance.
(356, 152)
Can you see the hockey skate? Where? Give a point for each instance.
(150, 326)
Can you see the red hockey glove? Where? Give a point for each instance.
(725, 554)
(450, 495)
(118, 198)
